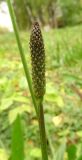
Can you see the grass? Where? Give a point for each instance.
(63, 103)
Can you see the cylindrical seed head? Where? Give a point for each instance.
(37, 61)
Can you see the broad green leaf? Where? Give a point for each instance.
(55, 98)
(59, 101)
(79, 133)
(59, 155)
(23, 83)
(6, 103)
(50, 98)
(64, 132)
(36, 153)
(17, 143)
(20, 99)
(19, 110)
(50, 89)
(3, 80)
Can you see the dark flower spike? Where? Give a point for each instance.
(38, 61)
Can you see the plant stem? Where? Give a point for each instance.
(24, 62)
(38, 108)
(42, 131)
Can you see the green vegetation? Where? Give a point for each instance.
(54, 13)
(37, 101)
(62, 102)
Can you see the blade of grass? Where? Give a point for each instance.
(61, 151)
(17, 145)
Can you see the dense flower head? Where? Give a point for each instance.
(38, 60)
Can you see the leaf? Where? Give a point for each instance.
(36, 153)
(20, 99)
(6, 103)
(64, 132)
(61, 151)
(17, 144)
(58, 120)
(55, 98)
(79, 133)
(23, 83)
(50, 89)
(71, 150)
(59, 101)
(19, 110)
(3, 81)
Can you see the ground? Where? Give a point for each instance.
(63, 98)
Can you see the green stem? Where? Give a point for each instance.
(40, 114)
(42, 132)
(24, 62)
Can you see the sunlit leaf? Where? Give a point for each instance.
(58, 120)
(35, 153)
(55, 98)
(79, 133)
(21, 99)
(59, 101)
(23, 83)
(3, 154)
(19, 110)
(6, 103)
(50, 89)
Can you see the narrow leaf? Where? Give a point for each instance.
(71, 150)
(61, 151)
(17, 140)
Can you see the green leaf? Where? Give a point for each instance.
(17, 144)
(20, 99)
(19, 110)
(55, 98)
(71, 150)
(36, 153)
(59, 101)
(61, 151)
(23, 83)
(79, 133)
(6, 103)
(50, 89)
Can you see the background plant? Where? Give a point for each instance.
(62, 101)
(51, 13)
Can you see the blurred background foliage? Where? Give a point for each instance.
(52, 13)
(55, 13)
(63, 99)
